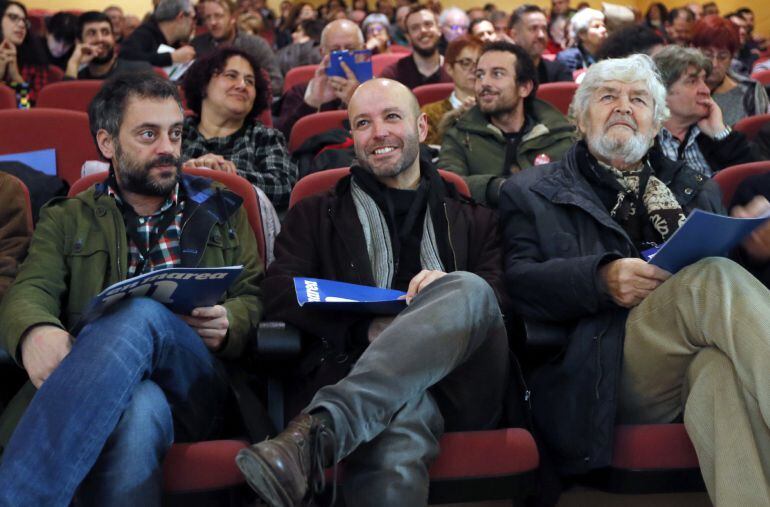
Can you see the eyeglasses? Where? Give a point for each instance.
(466, 63)
(15, 18)
(458, 28)
(719, 55)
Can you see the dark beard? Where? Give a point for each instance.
(135, 178)
(104, 59)
(426, 52)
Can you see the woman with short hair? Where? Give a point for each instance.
(586, 33)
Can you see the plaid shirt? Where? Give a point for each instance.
(259, 153)
(691, 154)
(165, 253)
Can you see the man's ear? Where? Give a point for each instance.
(525, 89)
(422, 127)
(106, 144)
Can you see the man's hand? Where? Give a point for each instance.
(757, 245)
(183, 54)
(211, 323)
(344, 87)
(319, 90)
(42, 349)
(711, 124)
(420, 281)
(213, 161)
(82, 55)
(377, 326)
(629, 281)
(8, 50)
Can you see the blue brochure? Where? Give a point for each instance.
(180, 289)
(327, 294)
(41, 160)
(703, 235)
(360, 62)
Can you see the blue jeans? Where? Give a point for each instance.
(136, 379)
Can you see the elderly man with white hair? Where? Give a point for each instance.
(623, 340)
(586, 34)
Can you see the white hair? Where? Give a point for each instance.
(451, 10)
(635, 68)
(341, 24)
(581, 20)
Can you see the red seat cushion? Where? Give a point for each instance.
(492, 453)
(202, 466)
(653, 446)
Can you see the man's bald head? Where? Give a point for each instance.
(383, 91)
(387, 128)
(341, 34)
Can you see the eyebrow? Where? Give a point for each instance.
(148, 125)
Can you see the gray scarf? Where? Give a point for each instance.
(377, 237)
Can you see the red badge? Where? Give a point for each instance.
(542, 159)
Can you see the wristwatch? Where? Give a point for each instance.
(720, 136)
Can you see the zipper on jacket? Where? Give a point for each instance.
(121, 274)
(449, 235)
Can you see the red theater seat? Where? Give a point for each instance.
(380, 62)
(312, 124)
(763, 76)
(7, 97)
(427, 94)
(559, 94)
(751, 124)
(298, 75)
(729, 178)
(73, 95)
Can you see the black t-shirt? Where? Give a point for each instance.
(408, 263)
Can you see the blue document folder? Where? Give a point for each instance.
(331, 295)
(41, 160)
(703, 235)
(180, 289)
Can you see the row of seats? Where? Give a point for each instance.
(473, 466)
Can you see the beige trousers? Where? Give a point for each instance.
(700, 344)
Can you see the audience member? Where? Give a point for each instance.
(755, 41)
(529, 29)
(424, 65)
(483, 29)
(500, 20)
(695, 131)
(95, 56)
(508, 130)
(323, 93)
(696, 9)
(383, 389)
(747, 191)
(738, 96)
(376, 33)
(744, 58)
(561, 8)
(656, 15)
(61, 32)
(23, 62)
(14, 229)
(298, 13)
(305, 48)
(558, 27)
(710, 9)
(130, 25)
(586, 33)
(679, 26)
(385, 7)
(632, 343)
(398, 29)
(630, 40)
(250, 23)
(453, 22)
(111, 401)
(460, 63)
(117, 20)
(172, 23)
(220, 21)
(226, 91)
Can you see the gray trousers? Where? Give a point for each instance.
(441, 364)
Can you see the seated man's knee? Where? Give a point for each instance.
(147, 422)
(472, 285)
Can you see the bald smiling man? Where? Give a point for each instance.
(382, 390)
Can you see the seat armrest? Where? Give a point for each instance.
(277, 340)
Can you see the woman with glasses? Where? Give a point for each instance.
(738, 96)
(376, 31)
(227, 91)
(23, 63)
(460, 63)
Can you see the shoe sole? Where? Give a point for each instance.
(261, 479)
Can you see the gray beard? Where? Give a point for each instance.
(629, 152)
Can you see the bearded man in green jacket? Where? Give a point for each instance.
(508, 129)
(111, 400)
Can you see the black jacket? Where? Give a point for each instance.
(143, 44)
(759, 184)
(556, 235)
(552, 71)
(321, 237)
(733, 149)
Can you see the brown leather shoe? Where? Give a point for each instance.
(288, 469)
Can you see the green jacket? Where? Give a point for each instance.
(475, 149)
(80, 247)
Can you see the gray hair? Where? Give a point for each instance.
(451, 10)
(673, 61)
(581, 20)
(167, 10)
(108, 106)
(635, 68)
(375, 17)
